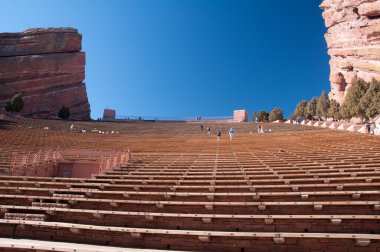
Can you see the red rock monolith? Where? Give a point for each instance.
(47, 66)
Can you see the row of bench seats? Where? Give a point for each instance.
(296, 189)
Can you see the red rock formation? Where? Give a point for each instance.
(353, 39)
(48, 68)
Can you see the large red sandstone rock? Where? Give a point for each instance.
(353, 39)
(47, 66)
(38, 41)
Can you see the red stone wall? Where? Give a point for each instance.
(240, 115)
(109, 114)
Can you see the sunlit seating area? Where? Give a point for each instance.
(298, 188)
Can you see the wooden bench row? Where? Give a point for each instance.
(212, 196)
(204, 236)
(200, 188)
(137, 182)
(272, 207)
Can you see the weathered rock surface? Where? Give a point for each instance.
(353, 39)
(47, 66)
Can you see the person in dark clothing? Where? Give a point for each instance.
(208, 130)
(201, 127)
(369, 128)
(218, 135)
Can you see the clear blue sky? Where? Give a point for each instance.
(189, 57)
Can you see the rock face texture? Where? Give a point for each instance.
(353, 39)
(47, 66)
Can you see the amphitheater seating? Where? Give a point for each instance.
(299, 188)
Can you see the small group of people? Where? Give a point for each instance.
(231, 132)
(260, 129)
(83, 130)
(208, 129)
(374, 130)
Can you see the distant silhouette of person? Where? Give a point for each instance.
(369, 128)
(201, 127)
(208, 130)
(71, 128)
(260, 129)
(270, 129)
(218, 135)
(231, 132)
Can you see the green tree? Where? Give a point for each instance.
(334, 110)
(262, 116)
(16, 104)
(276, 114)
(312, 108)
(370, 102)
(351, 106)
(254, 116)
(301, 109)
(8, 107)
(64, 113)
(323, 105)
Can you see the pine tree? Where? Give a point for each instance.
(370, 102)
(276, 114)
(262, 116)
(334, 110)
(312, 108)
(323, 105)
(351, 106)
(301, 109)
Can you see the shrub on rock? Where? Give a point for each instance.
(16, 104)
(64, 113)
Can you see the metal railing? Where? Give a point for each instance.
(34, 164)
(174, 119)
